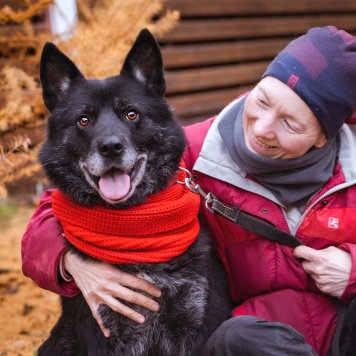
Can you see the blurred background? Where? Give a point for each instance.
(212, 51)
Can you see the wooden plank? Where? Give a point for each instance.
(230, 29)
(216, 77)
(205, 103)
(186, 121)
(16, 30)
(220, 53)
(205, 8)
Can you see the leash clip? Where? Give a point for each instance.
(195, 188)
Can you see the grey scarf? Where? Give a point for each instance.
(290, 180)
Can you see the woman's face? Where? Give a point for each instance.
(277, 123)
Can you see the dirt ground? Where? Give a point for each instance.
(27, 313)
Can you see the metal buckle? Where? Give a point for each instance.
(195, 188)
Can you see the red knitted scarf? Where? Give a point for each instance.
(157, 231)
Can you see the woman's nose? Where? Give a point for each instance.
(264, 126)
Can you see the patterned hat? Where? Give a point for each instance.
(320, 67)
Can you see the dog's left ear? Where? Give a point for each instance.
(144, 62)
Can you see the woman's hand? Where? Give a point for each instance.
(330, 268)
(100, 283)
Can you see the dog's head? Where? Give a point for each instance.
(111, 141)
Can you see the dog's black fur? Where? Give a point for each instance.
(123, 124)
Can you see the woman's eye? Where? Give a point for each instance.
(289, 126)
(261, 101)
(83, 121)
(131, 115)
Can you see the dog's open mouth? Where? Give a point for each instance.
(116, 185)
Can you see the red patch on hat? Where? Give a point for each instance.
(352, 120)
(292, 81)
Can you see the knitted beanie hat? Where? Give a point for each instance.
(320, 67)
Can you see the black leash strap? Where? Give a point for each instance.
(253, 224)
(238, 217)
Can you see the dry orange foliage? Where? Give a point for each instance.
(8, 15)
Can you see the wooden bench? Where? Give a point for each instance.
(220, 48)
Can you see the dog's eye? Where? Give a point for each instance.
(83, 121)
(131, 115)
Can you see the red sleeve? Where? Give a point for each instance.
(350, 291)
(42, 247)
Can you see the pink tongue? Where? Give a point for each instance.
(114, 185)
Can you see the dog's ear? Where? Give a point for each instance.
(57, 73)
(144, 62)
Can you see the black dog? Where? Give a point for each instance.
(113, 143)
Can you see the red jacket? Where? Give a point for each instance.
(265, 276)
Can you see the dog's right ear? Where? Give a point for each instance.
(57, 74)
(144, 63)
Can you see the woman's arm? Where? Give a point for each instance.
(43, 247)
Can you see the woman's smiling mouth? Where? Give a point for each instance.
(257, 146)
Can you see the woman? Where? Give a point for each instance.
(282, 153)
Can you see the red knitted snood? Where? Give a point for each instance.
(157, 231)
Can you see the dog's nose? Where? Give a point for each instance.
(110, 146)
